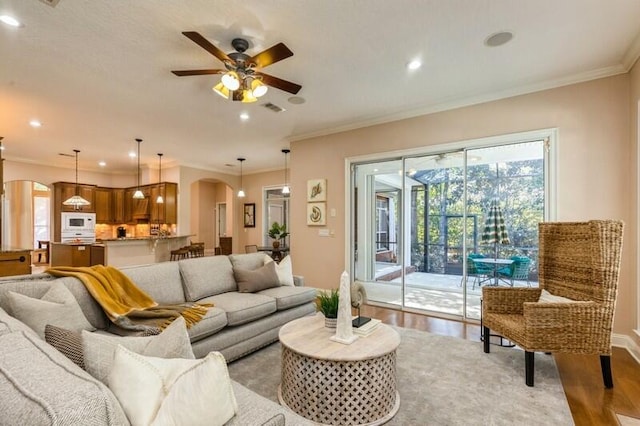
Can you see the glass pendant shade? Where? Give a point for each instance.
(76, 201)
(159, 200)
(248, 97)
(241, 191)
(258, 88)
(138, 195)
(230, 80)
(285, 188)
(221, 90)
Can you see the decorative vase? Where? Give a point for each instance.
(276, 244)
(330, 322)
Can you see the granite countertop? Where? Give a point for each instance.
(14, 250)
(143, 238)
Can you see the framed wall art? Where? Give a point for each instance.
(250, 215)
(316, 190)
(317, 214)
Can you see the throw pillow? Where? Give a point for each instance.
(256, 280)
(67, 342)
(284, 269)
(99, 349)
(546, 297)
(57, 307)
(157, 391)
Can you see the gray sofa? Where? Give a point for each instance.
(48, 388)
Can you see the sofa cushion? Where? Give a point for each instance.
(251, 281)
(161, 281)
(57, 306)
(242, 307)
(39, 386)
(249, 261)
(99, 348)
(11, 324)
(211, 323)
(178, 392)
(284, 269)
(206, 276)
(288, 297)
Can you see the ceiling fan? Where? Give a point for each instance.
(242, 79)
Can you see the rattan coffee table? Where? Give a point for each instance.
(335, 384)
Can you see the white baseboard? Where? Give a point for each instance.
(626, 342)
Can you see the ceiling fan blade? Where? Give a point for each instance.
(184, 73)
(271, 55)
(279, 83)
(206, 45)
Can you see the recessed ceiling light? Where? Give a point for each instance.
(296, 100)
(498, 39)
(9, 20)
(244, 116)
(132, 154)
(102, 164)
(414, 65)
(35, 123)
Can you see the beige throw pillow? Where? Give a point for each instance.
(99, 348)
(57, 307)
(177, 392)
(284, 270)
(256, 280)
(546, 297)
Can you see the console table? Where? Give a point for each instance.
(331, 383)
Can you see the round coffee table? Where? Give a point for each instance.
(331, 383)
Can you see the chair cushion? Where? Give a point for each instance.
(242, 307)
(546, 297)
(206, 276)
(288, 297)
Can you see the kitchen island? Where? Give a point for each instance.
(15, 261)
(141, 250)
(117, 252)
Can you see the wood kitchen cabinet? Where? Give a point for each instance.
(70, 254)
(117, 198)
(65, 190)
(166, 212)
(104, 205)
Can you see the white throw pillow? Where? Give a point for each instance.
(158, 391)
(284, 269)
(546, 297)
(99, 349)
(57, 307)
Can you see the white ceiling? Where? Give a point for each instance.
(97, 73)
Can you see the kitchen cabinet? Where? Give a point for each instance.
(104, 205)
(97, 255)
(117, 199)
(166, 212)
(70, 254)
(65, 190)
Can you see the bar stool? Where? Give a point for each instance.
(179, 254)
(196, 249)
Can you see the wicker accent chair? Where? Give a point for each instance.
(578, 261)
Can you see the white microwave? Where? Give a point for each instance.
(79, 222)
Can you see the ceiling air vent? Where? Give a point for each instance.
(52, 3)
(273, 107)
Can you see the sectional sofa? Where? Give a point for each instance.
(50, 389)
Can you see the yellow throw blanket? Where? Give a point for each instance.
(125, 304)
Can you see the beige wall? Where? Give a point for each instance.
(595, 168)
(634, 77)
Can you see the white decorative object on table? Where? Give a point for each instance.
(344, 331)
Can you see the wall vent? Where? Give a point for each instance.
(273, 107)
(52, 3)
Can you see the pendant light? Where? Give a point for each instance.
(76, 201)
(285, 188)
(138, 195)
(241, 191)
(160, 200)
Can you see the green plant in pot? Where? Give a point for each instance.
(277, 232)
(328, 305)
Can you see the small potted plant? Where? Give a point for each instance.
(277, 232)
(328, 305)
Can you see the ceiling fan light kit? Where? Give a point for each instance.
(242, 80)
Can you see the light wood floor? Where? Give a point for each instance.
(590, 402)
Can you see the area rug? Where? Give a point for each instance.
(446, 381)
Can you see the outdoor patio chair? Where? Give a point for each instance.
(478, 271)
(518, 270)
(572, 310)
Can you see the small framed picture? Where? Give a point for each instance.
(250, 215)
(316, 214)
(316, 190)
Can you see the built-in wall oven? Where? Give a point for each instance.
(78, 227)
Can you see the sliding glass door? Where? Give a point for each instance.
(430, 230)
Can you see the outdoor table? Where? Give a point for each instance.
(495, 263)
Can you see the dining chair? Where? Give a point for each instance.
(479, 271)
(578, 268)
(518, 270)
(252, 248)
